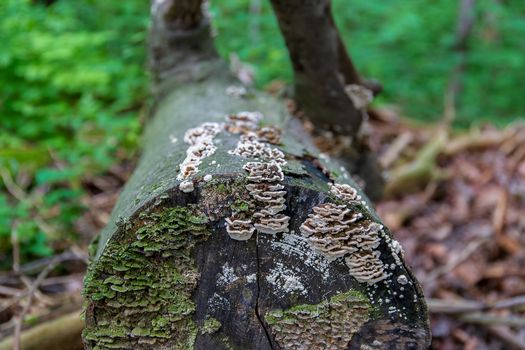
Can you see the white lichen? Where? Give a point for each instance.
(298, 246)
(227, 276)
(285, 281)
(252, 278)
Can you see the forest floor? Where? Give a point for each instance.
(455, 201)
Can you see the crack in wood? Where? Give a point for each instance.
(261, 321)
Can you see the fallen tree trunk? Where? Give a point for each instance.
(235, 233)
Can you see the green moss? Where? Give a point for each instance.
(294, 167)
(329, 324)
(314, 310)
(140, 288)
(240, 206)
(311, 183)
(210, 326)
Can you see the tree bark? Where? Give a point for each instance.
(233, 233)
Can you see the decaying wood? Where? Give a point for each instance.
(234, 233)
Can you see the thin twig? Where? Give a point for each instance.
(16, 269)
(509, 338)
(456, 261)
(489, 319)
(459, 306)
(11, 186)
(395, 149)
(36, 265)
(31, 293)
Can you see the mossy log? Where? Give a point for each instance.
(235, 233)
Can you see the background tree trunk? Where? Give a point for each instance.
(328, 88)
(234, 233)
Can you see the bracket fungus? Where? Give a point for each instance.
(264, 172)
(243, 122)
(366, 266)
(335, 231)
(361, 96)
(250, 147)
(240, 229)
(344, 192)
(328, 325)
(201, 146)
(263, 176)
(270, 134)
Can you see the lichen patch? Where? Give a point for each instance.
(298, 246)
(285, 281)
(227, 276)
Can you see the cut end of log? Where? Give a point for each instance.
(268, 241)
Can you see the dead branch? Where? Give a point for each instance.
(421, 170)
(61, 333)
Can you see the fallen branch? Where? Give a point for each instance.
(422, 169)
(505, 335)
(489, 319)
(459, 306)
(457, 260)
(61, 333)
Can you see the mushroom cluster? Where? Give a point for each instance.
(329, 229)
(249, 146)
(243, 122)
(239, 227)
(336, 231)
(264, 175)
(361, 96)
(269, 195)
(328, 325)
(345, 192)
(270, 134)
(201, 146)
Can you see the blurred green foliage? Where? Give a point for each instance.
(72, 78)
(406, 45)
(73, 81)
